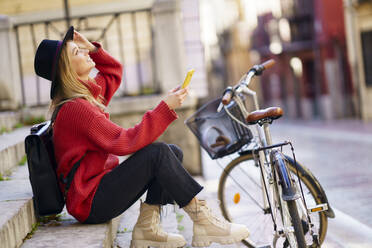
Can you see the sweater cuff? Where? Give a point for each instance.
(164, 109)
(98, 52)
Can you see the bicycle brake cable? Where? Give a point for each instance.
(299, 182)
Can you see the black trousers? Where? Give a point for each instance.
(156, 168)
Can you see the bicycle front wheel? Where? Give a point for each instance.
(241, 200)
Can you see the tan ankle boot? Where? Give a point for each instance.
(209, 228)
(148, 232)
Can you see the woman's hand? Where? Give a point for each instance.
(176, 97)
(83, 42)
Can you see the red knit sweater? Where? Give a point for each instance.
(81, 128)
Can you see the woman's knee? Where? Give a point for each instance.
(157, 149)
(156, 146)
(164, 147)
(159, 146)
(177, 151)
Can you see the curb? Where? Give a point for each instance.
(9, 158)
(16, 220)
(12, 149)
(70, 233)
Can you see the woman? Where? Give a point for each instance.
(102, 188)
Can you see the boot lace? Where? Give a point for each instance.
(216, 220)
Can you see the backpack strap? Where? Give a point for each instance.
(70, 176)
(55, 113)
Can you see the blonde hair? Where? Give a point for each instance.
(70, 87)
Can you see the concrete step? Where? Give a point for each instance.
(8, 119)
(17, 219)
(12, 149)
(16, 209)
(67, 232)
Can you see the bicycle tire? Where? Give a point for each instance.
(297, 224)
(308, 180)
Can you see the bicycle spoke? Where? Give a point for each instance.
(247, 175)
(245, 191)
(240, 186)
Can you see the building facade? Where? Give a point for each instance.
(358, 21)
(312, 77)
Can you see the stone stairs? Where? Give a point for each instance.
(19, 226)
(11, 146)
(17, 215)
(12, 150)
(9, 119)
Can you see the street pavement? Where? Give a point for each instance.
(340, 158)
(339, 155)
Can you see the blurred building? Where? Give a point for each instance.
(226, 41)
(358, 20)
(307, 40)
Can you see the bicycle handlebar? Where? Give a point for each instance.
(268, 64)
(227, 95)
(256, 70)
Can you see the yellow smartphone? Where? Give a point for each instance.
(187, 78)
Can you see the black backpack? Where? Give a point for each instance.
(47, 197)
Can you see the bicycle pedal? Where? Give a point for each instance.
(318, 208)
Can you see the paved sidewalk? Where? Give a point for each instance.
(346, 125)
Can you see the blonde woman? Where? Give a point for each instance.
(87, 144)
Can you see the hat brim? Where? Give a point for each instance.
(68, 36)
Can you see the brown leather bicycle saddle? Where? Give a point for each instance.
(270, 114)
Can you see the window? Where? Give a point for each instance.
(367, 56)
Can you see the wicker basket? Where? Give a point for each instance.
(217, 133)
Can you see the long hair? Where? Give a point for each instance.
(70, 87)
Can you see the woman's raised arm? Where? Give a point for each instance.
(110, 70)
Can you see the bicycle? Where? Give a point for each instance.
(284, 205)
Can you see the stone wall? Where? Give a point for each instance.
(15, 7)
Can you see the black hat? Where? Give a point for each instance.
(47, 57)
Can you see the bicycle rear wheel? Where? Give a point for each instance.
(242, 177)
(297, 224)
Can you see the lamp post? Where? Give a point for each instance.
(67, 13)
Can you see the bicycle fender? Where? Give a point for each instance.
(289, 190)
(305, 172)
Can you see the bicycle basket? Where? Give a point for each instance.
(217, 133)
